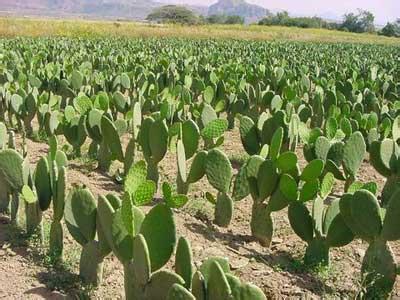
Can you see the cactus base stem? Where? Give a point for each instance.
(317, 253)
(56, 241)
(91, 264)
(14, 209)
(262, 225)
(152, 171)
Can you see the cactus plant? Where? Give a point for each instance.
(11, 172)
(347, 151)
(186, 148)
(81, 219)
(75, 133)
(137, 188)
(219, 174)
(141, 243)
(384, 157)
(144, 244)
(363, 215)
(153, 138)
(322, 229)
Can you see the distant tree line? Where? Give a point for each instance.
(283, 19)
(360, 22)
(224, 19)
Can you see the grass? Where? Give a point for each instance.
(35, 27)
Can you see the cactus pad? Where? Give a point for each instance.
(218, 170)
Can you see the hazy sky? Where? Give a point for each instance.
(384, 10)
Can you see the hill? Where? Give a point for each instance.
(132, 9)
(250, 12)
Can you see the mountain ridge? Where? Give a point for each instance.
(127, 9)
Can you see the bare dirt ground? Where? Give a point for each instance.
(27, 273)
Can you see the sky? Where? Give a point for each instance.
(384, 10)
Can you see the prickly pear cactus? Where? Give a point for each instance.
(362, 214)
(11, 172)
(219, 173)
(81, 217)
(153, 139)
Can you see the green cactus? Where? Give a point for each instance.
(322, 229)
(219, 173)
(33, 214)
(385, 157)
(379, 268)
(223, 210)
(43, 183)
(3, 136)
(186, 148)
(4, 196)
(11, 172)
(154, 235)
(81, 219)
(197, 169)
(173, 200)
(337, 150)
(137, 188)
(29, 112)
(183, 262)
(153, 138)
(249, 135)
(218, 170)
(111, 139)
(75, 133)
(213, 131)
(56, 231)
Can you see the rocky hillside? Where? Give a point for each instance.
(128, 9)
(132, 9)
(249, 12)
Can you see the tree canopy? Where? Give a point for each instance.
(391, 29)
(173, 14)
(361, 22)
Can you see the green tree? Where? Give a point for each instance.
(361, 22)
(173, 14)
(234, 20)
(391, 29)
(216, 19)
(224, 19)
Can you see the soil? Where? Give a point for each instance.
(27, 273)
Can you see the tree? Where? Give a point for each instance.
(362, 22)
(391, 29)
(234, 20)
(173, 14)
(366, 21)
(283, 19)
(216, 19)
(224, 19)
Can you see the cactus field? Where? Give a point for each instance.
(167, 168)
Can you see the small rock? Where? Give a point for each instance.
(277, 241)
(10, 252)
(360, 253)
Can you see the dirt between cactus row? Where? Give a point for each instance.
(26, 272)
